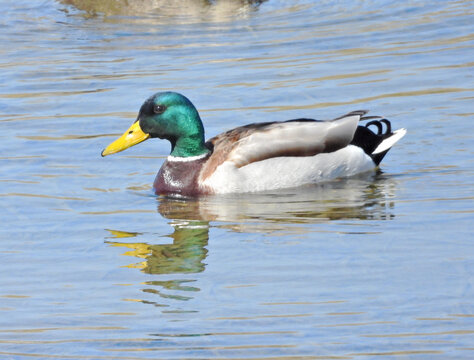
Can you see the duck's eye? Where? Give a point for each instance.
(159, 109)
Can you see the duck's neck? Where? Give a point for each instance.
(188, 146)
(188, 134)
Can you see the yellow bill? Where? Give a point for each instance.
(132, 136)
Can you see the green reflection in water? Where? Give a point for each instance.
(185, 255)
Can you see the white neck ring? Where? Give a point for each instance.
(187, 158)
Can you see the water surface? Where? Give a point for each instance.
(94, 266)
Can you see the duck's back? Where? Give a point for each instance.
(294, 138)
(287, 154)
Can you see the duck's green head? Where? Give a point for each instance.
(165, 115)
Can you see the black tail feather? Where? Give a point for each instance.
(360, 113)
(368, 140)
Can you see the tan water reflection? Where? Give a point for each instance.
(179, 10)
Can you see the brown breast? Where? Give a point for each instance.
(179, 177)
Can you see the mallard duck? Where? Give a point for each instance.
(254, 157)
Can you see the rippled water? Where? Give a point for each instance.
(94, 266)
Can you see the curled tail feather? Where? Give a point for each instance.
(376, 144)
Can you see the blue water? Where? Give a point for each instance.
(94, 266)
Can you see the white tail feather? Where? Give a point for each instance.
(390, 141)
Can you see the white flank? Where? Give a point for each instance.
(390, 141)
(286, 172)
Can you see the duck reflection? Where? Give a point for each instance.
(365, 198)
